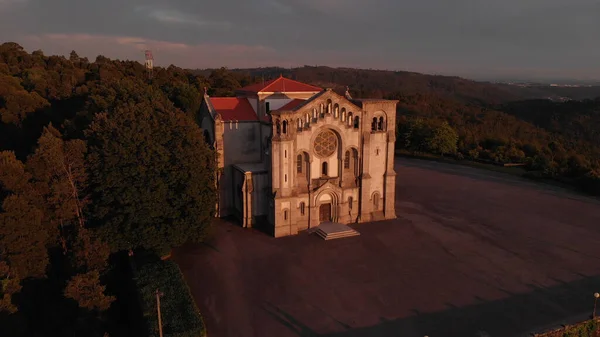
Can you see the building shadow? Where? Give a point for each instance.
(539, 310)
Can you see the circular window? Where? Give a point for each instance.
(325, 143)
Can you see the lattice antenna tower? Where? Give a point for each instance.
(149, 63)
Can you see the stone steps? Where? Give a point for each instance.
(331, 231)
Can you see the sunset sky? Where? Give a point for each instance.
(481, 39)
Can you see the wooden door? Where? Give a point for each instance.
(325, 213)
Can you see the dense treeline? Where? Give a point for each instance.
(95, 160)
(383, 83)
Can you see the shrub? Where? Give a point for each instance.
(179, 313)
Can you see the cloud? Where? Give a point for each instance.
(172, 16)
(462, 37)
(7, 4)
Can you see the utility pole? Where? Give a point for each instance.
(596, 295)
(158, 295)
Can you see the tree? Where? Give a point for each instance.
(151, 175)
(443, 139)
(88, 292)
(73, 57)
(16, 103)
(23, 238)
(57, 168)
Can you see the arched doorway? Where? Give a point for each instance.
(325, 212)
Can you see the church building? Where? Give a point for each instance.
(291, 156)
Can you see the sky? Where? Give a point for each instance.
(479, 39)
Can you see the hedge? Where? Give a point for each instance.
(179, 313)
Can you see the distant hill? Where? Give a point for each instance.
(382, 83)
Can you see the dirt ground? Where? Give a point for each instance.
(472, 253)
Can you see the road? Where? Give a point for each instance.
(472, 253)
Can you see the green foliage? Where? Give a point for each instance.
(87, 291)
(418, 135)
(152, 177)
(587, 329)
(179, 313)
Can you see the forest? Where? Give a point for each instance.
(102, 170)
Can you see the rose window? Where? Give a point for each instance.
(326, 143)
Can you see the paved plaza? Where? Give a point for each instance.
(472, 253)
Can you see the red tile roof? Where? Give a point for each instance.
(281, 84)
(292, 104)
(233, 108)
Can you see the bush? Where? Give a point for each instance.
(179, 313)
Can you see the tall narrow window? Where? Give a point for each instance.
(324, 169)
(376, 201)
(278, 126)
(299, 164)
(350, 119)
(355, 162)
(302, 208)
(285, 178)
(306, 165)
(299, 124)
(350, 201)
(374, 124)
(285, 154)
(347, 160)
(356, 122)
(380, 124)
(285, 215)
(285, 125)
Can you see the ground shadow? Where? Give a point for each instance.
(518, 315)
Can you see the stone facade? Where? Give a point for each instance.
(304, 157)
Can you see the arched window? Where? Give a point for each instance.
(299, 124)
(356, 122)
(343, 114)
(374, 124)
(324, 169)
(285, 126)
(336, 111)
(322, 111)
(349, 118)
(376, 201)
(302, 208)
(285, 215)
(347, 160)
(380, 124)
(315, 113)
(278, 126)
(299, 164)
(328, 107)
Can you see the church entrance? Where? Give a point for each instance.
(325, 213)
